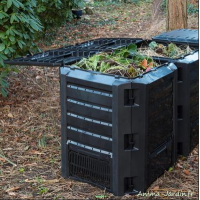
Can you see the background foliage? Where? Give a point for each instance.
(54, 13)
(21, 22)
(18, 25)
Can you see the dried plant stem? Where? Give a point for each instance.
(8, 160)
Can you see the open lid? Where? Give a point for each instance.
(108, 43)
(73, 53)
(180, 36)
(51, 58)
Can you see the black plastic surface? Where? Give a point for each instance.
(106, 123)
(187, 100)
(159, 161)
(51, 58)
(181, 36)
(70, 54)
(107, 43)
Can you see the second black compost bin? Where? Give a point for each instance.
(188, 87)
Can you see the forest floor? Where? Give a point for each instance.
(30, 116)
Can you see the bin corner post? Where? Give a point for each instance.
(140, 128)
(183, 108)
(121, 118)
(194, 103)
(175, 115)
(63, 100)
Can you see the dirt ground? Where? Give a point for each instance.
(30, 116)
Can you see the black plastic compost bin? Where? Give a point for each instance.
(117, 133)
(188, 87)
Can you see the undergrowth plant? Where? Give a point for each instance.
(18, 25)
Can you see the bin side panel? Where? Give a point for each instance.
(159, 161)
(194, 105)
(187, 101)
(87, 126)
(161, 112)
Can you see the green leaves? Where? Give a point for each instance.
(34, 25)
(3, 84)
(9, 3)
(18, 4)
(13, 18)
(2, 47)
(103, 196)
(20, 25)
(170, 169)
(170, 50)
(132, 48)
(54, 13)
(123, 61)
(153, 45)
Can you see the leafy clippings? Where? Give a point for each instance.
(171, 50)
(123, 61)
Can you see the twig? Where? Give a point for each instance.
(8, 160)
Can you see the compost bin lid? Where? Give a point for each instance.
(189, 36)
(70, 54)
(108, 43)
(51, 58)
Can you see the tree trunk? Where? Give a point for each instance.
(177, 14)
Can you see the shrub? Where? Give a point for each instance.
(53, 13)
(18, 25)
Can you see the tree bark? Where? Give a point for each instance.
(176, 14)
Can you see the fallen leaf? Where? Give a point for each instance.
(35, 152)
(12, 193)
(38, 77)
(30, 181)
(179, 166)
(10, 115)
(51, 181)
(44, 181)
(12, 189)
(195, 152)
(156, 188)
(5, 108)
(23, 196)
(2, 159)
(185, 171)
(26, 148)
(170, 169)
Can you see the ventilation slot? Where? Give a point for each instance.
(89, 169)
